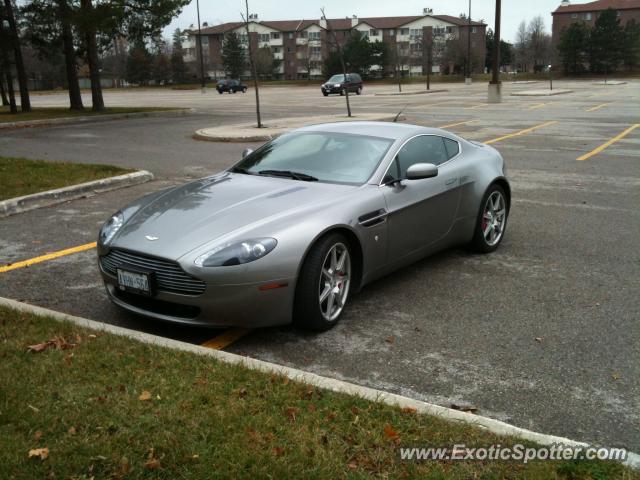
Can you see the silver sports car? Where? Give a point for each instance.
(294, 228)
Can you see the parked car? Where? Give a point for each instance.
(338, 84)
(294, 228)
(231, 86)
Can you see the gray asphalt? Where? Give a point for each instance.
(542, 333)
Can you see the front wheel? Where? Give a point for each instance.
(325, 94)
(323, 285)
(359, 91)
(492, 220)
(244, 90)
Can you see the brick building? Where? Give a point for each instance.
(568, 13)
(303, 45)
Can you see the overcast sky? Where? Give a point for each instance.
(513, 11)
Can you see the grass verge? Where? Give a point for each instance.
(20, 176)
(55, 112)
(104, 406)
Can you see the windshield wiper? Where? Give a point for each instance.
(288, 173)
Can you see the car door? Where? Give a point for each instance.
(421, 212)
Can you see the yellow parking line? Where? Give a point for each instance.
(539, 105)
(615, 139)
(480, 105)
(521, 132)
(597, 107)
(227, 338)
(456, 124)
(49, 256)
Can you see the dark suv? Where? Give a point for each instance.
(231, 86)
(338, 84)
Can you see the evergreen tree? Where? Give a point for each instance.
(233, 56)
(139, 65)
(631, 45)
(573, 47)
(605, 42)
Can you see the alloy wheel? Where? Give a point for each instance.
(335, 280)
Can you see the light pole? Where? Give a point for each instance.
(550, 78)
(495, 88)
(467, 79)
(200, 48)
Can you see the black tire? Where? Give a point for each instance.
(306, 308)
(244, 90)
(479, 243)
(325, 94)
(342, 92)
(220, 92)
(359, 91)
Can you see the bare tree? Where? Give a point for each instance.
(522, 46)
(539, 43)
(252, 63)
(341, 55)
(25, 103)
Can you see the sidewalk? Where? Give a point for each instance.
(247, 132)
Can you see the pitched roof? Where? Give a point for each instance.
(345, 23)
(598, 5)
(458, 21)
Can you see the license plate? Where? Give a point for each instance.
(134, 281)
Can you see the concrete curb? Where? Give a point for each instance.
(421, 92)
(17, 205)
(52, 122)
(494, 426)
(270, 133)
(540, 93)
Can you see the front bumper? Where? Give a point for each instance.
(331, 89)
(242, 305)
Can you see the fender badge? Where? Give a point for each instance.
(151, 238)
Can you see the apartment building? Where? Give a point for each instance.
(568, 13)
(303, 45)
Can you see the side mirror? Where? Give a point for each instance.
(247, 151)
(418, 171)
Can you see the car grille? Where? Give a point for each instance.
(169, 277)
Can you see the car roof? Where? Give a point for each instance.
(391, 130)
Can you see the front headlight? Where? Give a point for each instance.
(110, 228)
(236, 253)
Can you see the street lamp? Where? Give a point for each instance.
(495, 88)
(550, 78)
(200, 48)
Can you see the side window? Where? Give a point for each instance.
(422, 149)
(452, 147)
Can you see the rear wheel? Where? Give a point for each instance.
(359, 91)
(342, 92)
(323, 285)
(492, 220)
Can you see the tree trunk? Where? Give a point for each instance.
(75, 97)
(25, 103)
(3, 93)
(5, 63)
(92, 56)
(253, 65)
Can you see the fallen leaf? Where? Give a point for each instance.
(39, 347)
(352, 466)
(291, 413)
(390, 432)
(145, 395)
(41, 453)
(391, 340)
(332, 415)
(539, 339)
(37, 435)
(242, 393)
(152, 464)
(71, 431)
(91, 335)
(278, 451)
(615, 376)
(33, 408)
(355, 410)
(409, 410)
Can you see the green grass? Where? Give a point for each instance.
(20, 176)
(55, 112)
(206, 419)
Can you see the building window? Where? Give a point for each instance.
(243, 38)
(415, 33)
(587, 16)
(275, 35)
(290, 35)
(275, 49)
(314, 35)
(289, 50)
(404, 31)
(474, 30)
(264, 37)
(392, 33)
(574, 15)
(302, 34)
(374, 33)
(205, 40)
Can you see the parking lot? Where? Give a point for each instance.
(542, 334)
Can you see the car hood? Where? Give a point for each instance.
(192, 215)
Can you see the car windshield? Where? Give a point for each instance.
(323, 156)
(337, 79)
